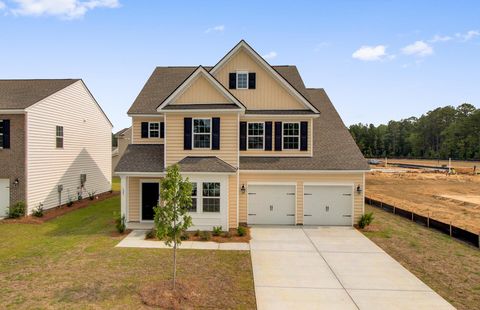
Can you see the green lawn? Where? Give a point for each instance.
(116, 184)
(71, 262)
(449, 267)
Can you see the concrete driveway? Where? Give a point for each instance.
(331, 268)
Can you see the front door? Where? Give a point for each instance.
(4, 197)
(150, 196)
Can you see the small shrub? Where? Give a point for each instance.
(241, 231)
(184, 236)
(38, 211)
(150, 234)
(365, 220)
(227, 234)
(69, 202)
(91, 195)
(205, 235)
(217, 230)
(197, 233)
(120, 223)
(17, 210)
(79, 196)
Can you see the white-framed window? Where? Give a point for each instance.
(242, 80)
(59, 137)
(193, 207)
(211, 197)
(1, 134)
(291, 136)
(202, 133)
(255, 136)
(153, 130)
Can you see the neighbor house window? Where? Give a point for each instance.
(291, 136)
(59, 137)
(193, 207)
(255, 136)
(201, 133)
(211, 197)
(242, 80)
(1, 134)
(153, 130)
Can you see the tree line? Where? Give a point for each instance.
(439, 134)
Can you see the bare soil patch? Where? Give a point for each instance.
(161, 294)
(425, 194)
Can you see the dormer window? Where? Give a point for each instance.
(242, 80)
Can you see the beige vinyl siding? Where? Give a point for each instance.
(133, 199)
(300, 179)
(137, 130)
(233, 191)
(201, 91)
(228, 138)
(86, 147)
(285, 153)
(269, 93)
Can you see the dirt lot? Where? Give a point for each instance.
(437, 163)
(454, 198)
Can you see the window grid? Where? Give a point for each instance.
(193, 207)
(211, 196)
(59, 137)
(291, 136)
(202, 133)
(255, 136)
(242, 80)
(153, 130)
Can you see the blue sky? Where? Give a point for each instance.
(377, 60)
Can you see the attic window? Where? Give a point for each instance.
(59, 137)
(242, 80)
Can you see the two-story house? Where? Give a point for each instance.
(258, 146)
(55, 143)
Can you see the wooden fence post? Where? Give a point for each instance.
(428, 220)
(450, 228)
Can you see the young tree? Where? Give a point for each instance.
(171, 218)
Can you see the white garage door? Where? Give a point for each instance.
(327, 205)
(271, 204)
(4, 196)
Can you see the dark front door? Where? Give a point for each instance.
(150, 195)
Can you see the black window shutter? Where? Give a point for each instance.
(187, 133)
(243, 136)
(268, 136)
(252, 78)
(232, 80)
(303, 136)
(278, 136)
(144, 129)
(6, 134)
(162, 130)
(215, 133)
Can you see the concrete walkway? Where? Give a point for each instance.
(331, 268)
(136, 239)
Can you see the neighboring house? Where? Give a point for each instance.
(258, 146)
(124, 138)
(55, 142)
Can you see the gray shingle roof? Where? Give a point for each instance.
(333, 146)
(204, 164)
(142, 158)
(20, 94)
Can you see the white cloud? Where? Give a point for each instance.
(439, 38)
(419, 48)
(468, 35)
(270, 55)
(219, 28)
(371, 53)
(2, 5)
(68, 9)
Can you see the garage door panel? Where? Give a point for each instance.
(328, 205)
(271, 204)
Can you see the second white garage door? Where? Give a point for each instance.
(328, 205)
(271, 204)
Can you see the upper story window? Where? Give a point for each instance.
(255, 136)
(202, 132)
(242, 80)
(153, 130)
(59, 137)
(291, 136)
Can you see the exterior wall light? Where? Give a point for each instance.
(242, 189)
(16, 182)
(359, 189)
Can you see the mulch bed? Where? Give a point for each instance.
(161, 294)
(234, 237)
(53, 213)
